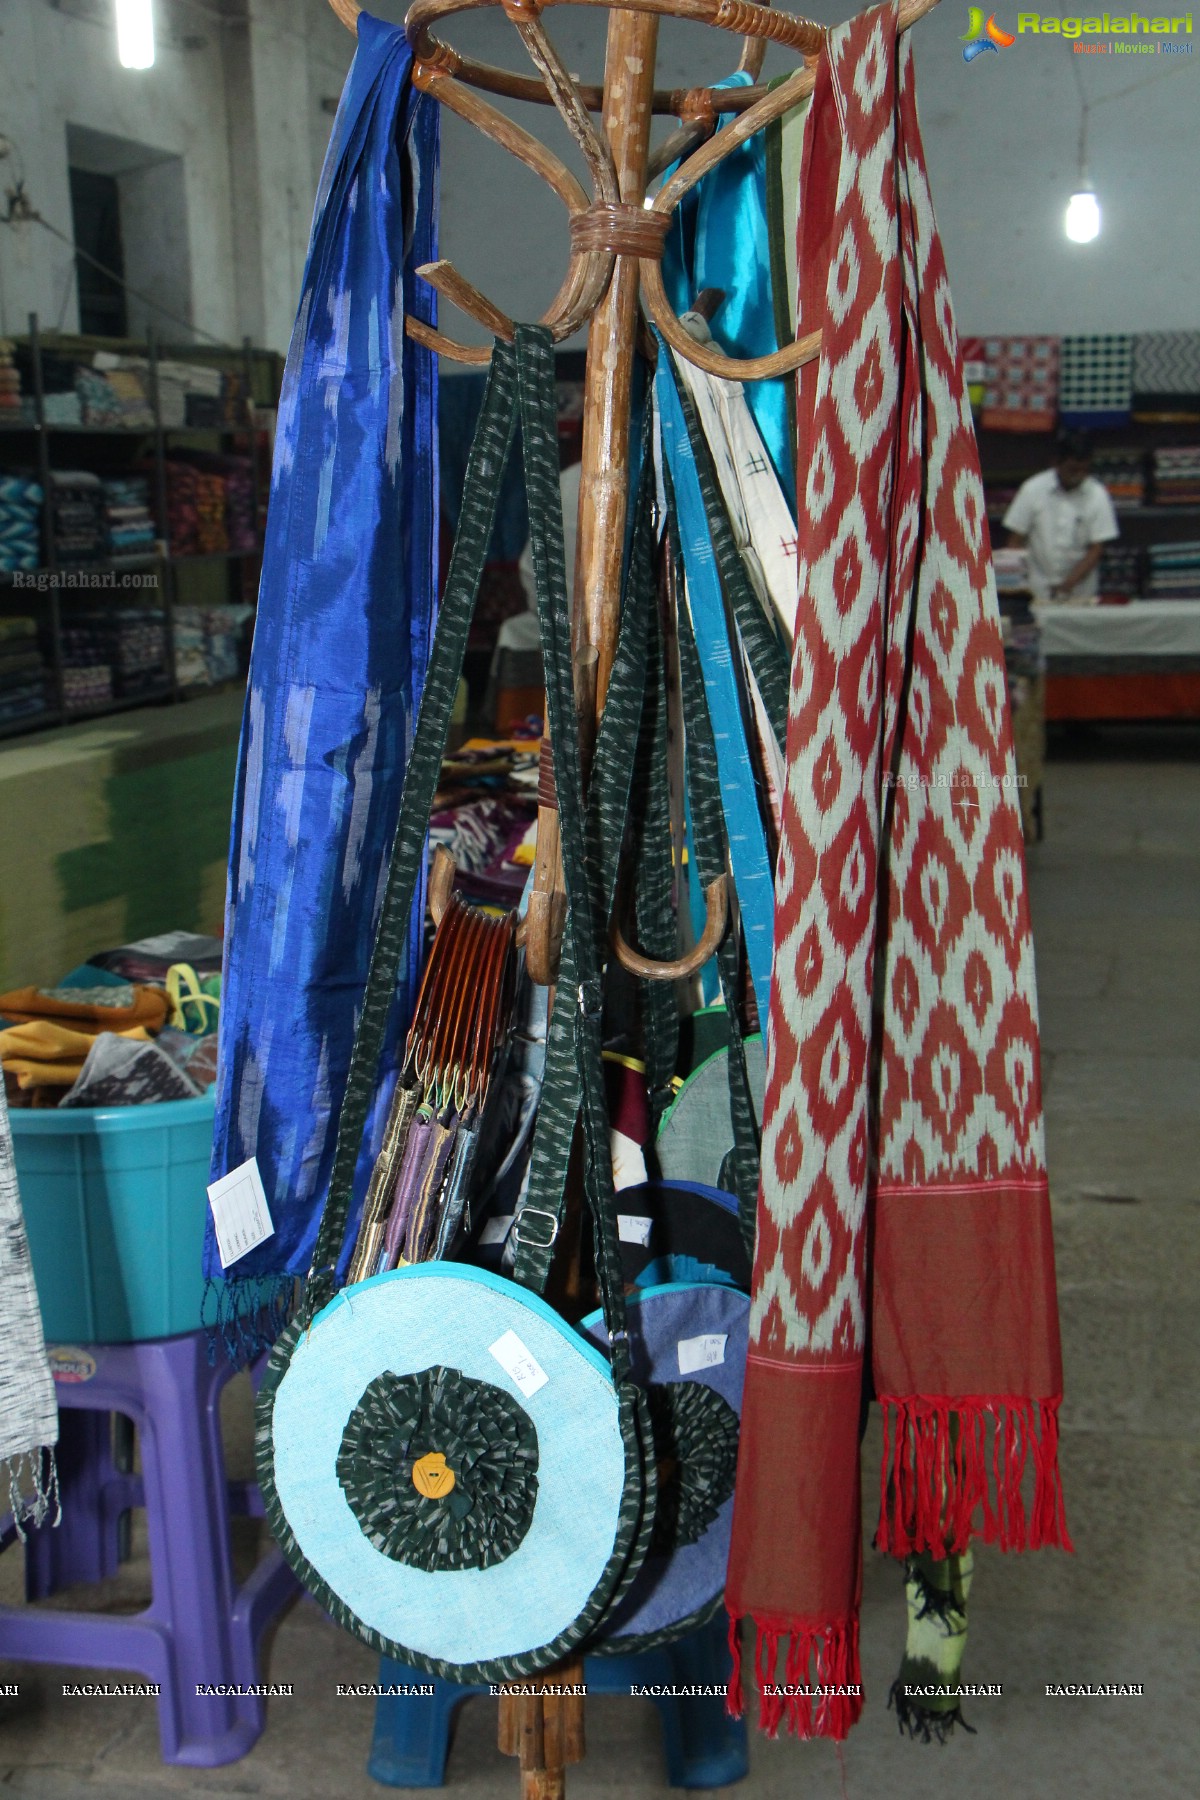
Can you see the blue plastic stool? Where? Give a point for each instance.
(704, 1747)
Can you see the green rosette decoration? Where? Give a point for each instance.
(440, 1470)
(696, 1448)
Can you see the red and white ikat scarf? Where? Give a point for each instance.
(904, 1247)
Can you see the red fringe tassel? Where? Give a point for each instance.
(936, 1480)
(790, 1660)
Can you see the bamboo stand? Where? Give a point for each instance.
(614, 271)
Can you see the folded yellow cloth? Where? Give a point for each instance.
(149, 1008)
(43, 1054)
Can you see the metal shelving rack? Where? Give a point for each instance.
(49, 586)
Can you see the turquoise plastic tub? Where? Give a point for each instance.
(115, 1200)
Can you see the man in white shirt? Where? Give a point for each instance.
(1064, 517)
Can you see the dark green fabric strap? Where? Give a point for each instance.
(485, 469)
(711, 854)
(539, 1218)
(657, 923)
(535, 374)
(768, 658)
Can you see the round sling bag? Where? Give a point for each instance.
(457, 1475)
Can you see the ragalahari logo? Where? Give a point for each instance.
(979, 37)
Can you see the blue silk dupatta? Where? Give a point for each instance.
(719, 238)
(340, 647)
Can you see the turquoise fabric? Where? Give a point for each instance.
(412, 1319)
(719, 238)
(753, 874)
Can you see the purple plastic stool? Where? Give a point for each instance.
(197, 1629)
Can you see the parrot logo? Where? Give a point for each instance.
(979, 37)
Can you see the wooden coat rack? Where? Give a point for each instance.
(614, 271)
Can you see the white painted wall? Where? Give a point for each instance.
(245, 114)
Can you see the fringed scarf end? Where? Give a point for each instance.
(942, 1466)
(807, 1677)
(245, 1314)
(29, 1481)
(917, 1721)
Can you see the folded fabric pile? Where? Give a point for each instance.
(129, 378)
(1120, 571)
(77, 516)
(195, 509)
(1020, 383)
(1177, 476)
(1123, 473)
(482, 813)
(115, 653)
(86, 687)
(1174, 571)
(10, 382)
(20, 523)
(149, 960)
(208, 643)
(131, 1026)
(48, 1033)
(240, 523)
(98, 402)
(1012, 571)
(127, 513)
(22, 671)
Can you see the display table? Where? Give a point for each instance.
(1140, 661)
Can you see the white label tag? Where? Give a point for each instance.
(701, 1352)
(240, 1212)
(519, 1364)
(633, 1229)
(496, 1229)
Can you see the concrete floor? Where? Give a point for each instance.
(1116, 895)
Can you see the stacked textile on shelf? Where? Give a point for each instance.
(1096, 380)
(20, 523)
(113, 654)
(22, 671)
(208, 643)
(195, 509)
(1177, 476)
(1174, 571)
(1123, 473)
(240, 522)
(77, 517)
(1166, 372)
(1120, 571)
(129, 379)
(1020, 383)
(10, 382)
(128, 516)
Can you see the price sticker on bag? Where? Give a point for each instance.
(633, 1229)
(705, 1352)
(241, 1216)
(519, 1363)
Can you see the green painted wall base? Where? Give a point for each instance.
(112, 831)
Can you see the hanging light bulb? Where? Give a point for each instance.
(1082, 219)
(135, 33)
(1083, 216)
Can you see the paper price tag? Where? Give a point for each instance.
(633, 1229)
(240, 1212)
(497, 1229)
(519, 1364)
(701, 1352)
